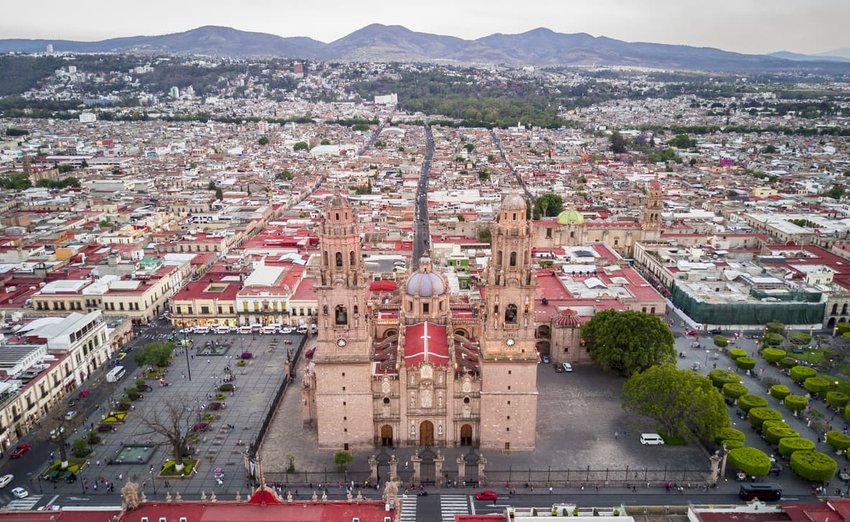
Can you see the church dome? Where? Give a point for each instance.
(338, 201)
(425, 283)
(513, 201)
(570, 217)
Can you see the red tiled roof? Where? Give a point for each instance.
(426, 341)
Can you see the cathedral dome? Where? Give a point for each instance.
(425, 283)
(338, 201)
(513, 201)
(570, 217)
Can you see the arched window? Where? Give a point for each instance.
(325, 309)
(510, 314)
(326, 258)
(513, 258)
(351, 259)
(500, 259)
(341, 315)
(355, 310)
(339, 259)
(337, 216)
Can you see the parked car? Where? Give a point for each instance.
(693, 333)
(19, 452)
(486, 495)
(559, 368)
(5, 479)
(651, 439)
(286, 330)
(567, 367)
(20, 492)
(70, 414)
(121, 356)
(545, 359)
(715, 331)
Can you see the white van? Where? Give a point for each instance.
(245, 329)
(302, 329)
(222, 329)
(269, 329)
(651, 439)
(201, 329)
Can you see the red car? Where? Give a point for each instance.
(20, 449)
(486, 495)
(693, 333)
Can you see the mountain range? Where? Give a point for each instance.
(383, 43)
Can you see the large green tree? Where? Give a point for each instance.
(628, 342)
(681, 401)
(548, 205)
(154, 354)
(618, 143)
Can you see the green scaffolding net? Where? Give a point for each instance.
(784, 310)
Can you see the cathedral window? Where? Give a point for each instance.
(351, 258)
(511, 314)
(341, 315)
(326, 258)
(355, 310)
(548, 233)
(325, 309)
(339, 259)
(513, 258)
(425, 308)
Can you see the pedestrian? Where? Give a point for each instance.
(616, 435)
(550, 491)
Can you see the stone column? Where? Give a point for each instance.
(482, 462)
(393, 468)
(373, 469)
(417, 464)
(461, 469)
(438, 468)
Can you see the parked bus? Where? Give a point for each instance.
(115, 374)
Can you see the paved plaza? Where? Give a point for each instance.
(220, 447)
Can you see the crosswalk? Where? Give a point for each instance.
(23, 504)
(408, 508)
(451, 505)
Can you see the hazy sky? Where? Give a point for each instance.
(754, 26)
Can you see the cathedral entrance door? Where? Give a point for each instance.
(427, 467)
(387, 436)
(426, 433)
(466, 435)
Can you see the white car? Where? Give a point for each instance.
(567, 367)
(286, 330)
(5, 479)
(651, 439)
(20, 492)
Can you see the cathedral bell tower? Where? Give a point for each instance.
(343, 349)
(509, 356)
(650, 219)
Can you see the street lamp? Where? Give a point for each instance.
(153, 480)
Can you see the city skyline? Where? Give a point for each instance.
(744, 26)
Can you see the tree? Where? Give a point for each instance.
(264, 140)
(154, 354)
(682, 141)
(16, 181)
(751, 461)
(548, 205)
(301, 145)
(286, 175)
(681, 401)
(469, 148)
(211, 185)
(80, 448)
(219, 195)
(325, 142)
(171, 420)
(342, 459)
(628, 342)
(618, 143)
(484, 234)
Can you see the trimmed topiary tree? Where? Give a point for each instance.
(749, 401)
(779, 391)
(758, 415)
(838, 440)
(813, 465)
(734, 390)
(775, 327)
(736, 353)
(788, 362)
(732, 444)
(729, 433)
(795, 403)
(800, 338)
(777, 433)
(720, 341)
(817, 385)
(745, 363)
(721, 377)
(801, 373)
(773, 355)
(772, 339)
(837, 399)
(752, 461)
(791, 445)
(766, 425)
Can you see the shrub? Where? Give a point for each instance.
(795, 402)
(800, 338)
(241, 363)
(788, 362)
(777, 433)
(773, 355)
(813, 465)
(772, 339)
(816, 385)
(215, 406)
(104, 428)
(201, 426)
(837, 399)
(737, 353)
(729, 433)
(779, 391)
(226, 387)
(93, 438)
(758, 415)
(219, 396)
(801, 373)
(838, 440)
(745, 363)
(732, 444)
(80, 448)
(720, 341)
(734, 390)
(751, 461)
(168, 469)
(775, 327)
(766, 425)
(124, 406)
(747, 402)
(246, 355)
(793, 444)
(721, 377)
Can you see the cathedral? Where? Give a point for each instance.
(415, 366)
